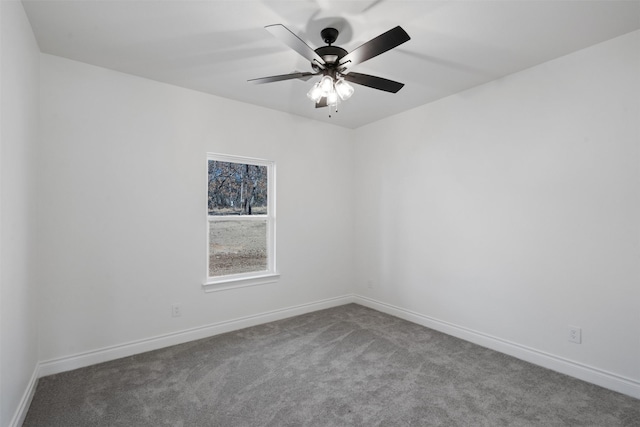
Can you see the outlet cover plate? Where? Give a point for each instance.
(175, 310)
(575, 335)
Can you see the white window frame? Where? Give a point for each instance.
(270, 275)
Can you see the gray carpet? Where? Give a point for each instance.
(345, 366)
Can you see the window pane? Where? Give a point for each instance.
(237, 188)
(237, 247)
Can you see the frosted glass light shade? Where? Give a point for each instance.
(315, 93)
(326, 84)
(332, 98)
(344, 89)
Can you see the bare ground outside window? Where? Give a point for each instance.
(237, 247)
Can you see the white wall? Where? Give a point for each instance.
(510, 209)
(123, 207)
(513, 209)
(19, 122)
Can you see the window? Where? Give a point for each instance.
(240, 222)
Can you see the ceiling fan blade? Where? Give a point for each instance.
(374, 82)
(322, 102)
(371, 6)
(286, 36)
(374, 47)
(271, 79)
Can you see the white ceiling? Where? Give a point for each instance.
(216, 46)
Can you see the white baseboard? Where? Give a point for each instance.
(106, 354)
(574, 369)
(25, 402)
(590, 374)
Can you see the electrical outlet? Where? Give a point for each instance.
(575, 334)
(175, 310)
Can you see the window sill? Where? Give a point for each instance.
(215, 285)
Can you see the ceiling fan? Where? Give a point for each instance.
(334, 64)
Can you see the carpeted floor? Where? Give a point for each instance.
(345, 366)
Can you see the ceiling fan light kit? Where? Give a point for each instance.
(333, 63)
(330, 89)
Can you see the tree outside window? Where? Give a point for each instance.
(241, 217)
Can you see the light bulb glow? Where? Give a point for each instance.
(344, 89)
(326, 84)
(315, 93)
(332, 90)
(332, 98)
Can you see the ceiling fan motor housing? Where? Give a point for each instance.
(331, 55)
